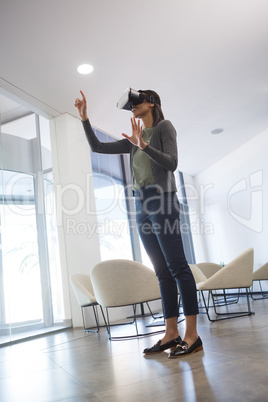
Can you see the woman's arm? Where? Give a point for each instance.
(168, 156)
(115, 147)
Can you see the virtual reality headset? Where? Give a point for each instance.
(131, 97)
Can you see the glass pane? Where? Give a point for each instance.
(113, 227)
(21, 270)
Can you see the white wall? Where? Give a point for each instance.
(79, 252)
(229, 204)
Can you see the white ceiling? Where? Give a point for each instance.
(208, 60)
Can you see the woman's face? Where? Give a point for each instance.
(143, 109)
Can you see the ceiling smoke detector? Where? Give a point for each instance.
(217, 131)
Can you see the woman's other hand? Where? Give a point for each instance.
(81, 105)
(136, 138)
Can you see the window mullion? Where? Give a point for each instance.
(41, 232)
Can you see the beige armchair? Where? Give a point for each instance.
(259, 275)
(83, 290)
(199, 276)
(237, 274)
(209, 269)
(119, 283)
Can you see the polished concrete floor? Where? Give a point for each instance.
(75, 366)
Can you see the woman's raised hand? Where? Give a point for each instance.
(81, 105)
(136, 137)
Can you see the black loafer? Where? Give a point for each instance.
(183, 349)
(158, 348)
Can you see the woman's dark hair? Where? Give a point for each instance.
(157, 111)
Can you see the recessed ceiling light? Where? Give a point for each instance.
(85, 69)
(217, 131)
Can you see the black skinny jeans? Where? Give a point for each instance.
(157, 216)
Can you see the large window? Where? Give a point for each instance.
(111, 206)
(30, 276)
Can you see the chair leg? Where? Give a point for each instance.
(91, 329)
(124, 337)
(228, 315)
(205, 305)
(179, 305)
(108, 325)
(264, 295)
(134, 306)
(249, 310)
(200, 306)
(151, 313)
(107, 322)
(96, 315)
(226, 299)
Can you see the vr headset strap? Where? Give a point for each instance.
(149, 98)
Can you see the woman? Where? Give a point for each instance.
(153, 151)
